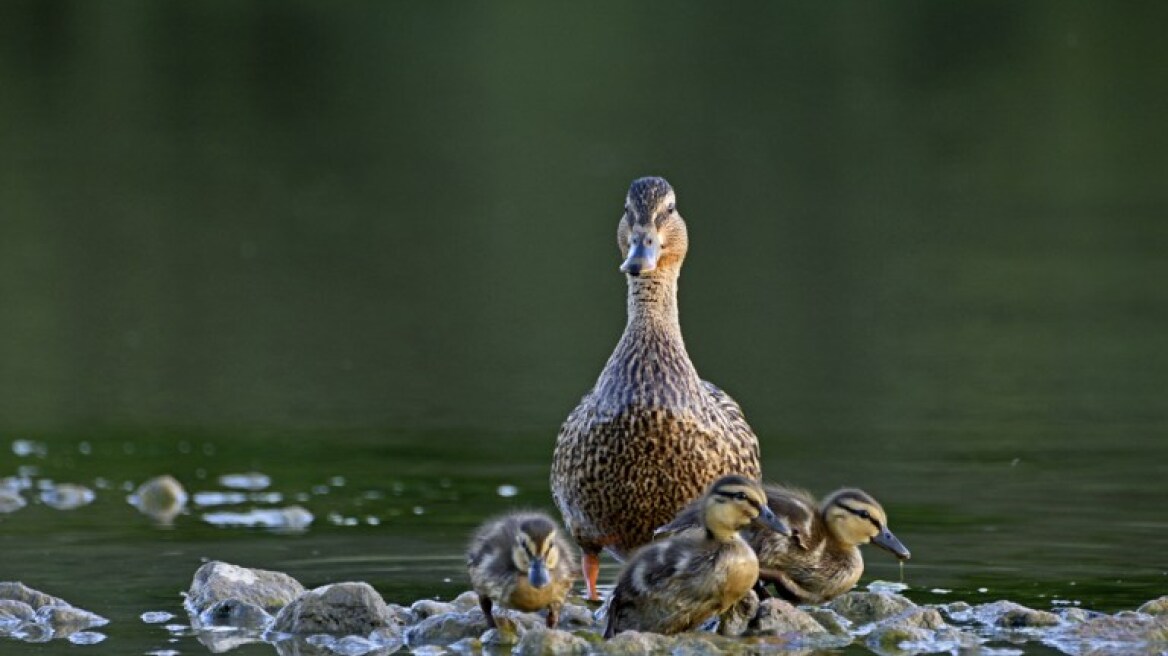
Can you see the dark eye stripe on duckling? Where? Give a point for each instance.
(739, 496)
(862, 514)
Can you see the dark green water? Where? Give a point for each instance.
(376, 242)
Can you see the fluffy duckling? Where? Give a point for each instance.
(820, 559)
(676, 584)
(649, 413)
(521, 561)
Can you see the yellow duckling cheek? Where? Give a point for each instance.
(552, 557)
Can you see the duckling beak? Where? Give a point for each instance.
(537, 574)
(643, 253)
(886, 540)
(769, 519)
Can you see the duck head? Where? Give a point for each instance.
(733, 502)
(535, 551)
(853, 517)
(651, 235)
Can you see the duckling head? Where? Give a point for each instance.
(732, 503)
(855, 518)
(651, 235)
(535, 550)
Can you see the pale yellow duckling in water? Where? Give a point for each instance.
(676, 584)
(820, 559)
(521, 561)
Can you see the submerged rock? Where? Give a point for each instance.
(218, 581)
(33, 616)
(11, 501)
(918, 630)
(17, 591)
(1126, 633)
(630, 643)
(15, 612)
(864, 607)
(1009, 615)
(66, 620)
(550, 642)
(235, 613)
(161, 498)
(67, 496)
(337, 609)
(446, 629)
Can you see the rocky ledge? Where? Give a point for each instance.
(230, 605)
(33, 616)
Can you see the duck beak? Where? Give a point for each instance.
(537, 574)
(644, 250)
(886, 540)
(769, 519)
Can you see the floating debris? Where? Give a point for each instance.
(290, 518)
(507, 490)
(246, 481)
(86, 637)
(66, 496)
(157, 617)
(11, 501)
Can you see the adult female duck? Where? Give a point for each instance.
(651, 435)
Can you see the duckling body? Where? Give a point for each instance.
(821, 558)
(521, 561)
(676, 584)
(651, 435)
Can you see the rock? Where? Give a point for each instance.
(503, 636)
(217, 581)
(776, 617)
(11, 501)
(445, 629)
(66, 620)
(864, 607)
(337, 609)
(573, 618)
(736, 621)
(634, 643)
(1128, 634)
(67, 496)
(550, 642)
(466, 601)
(232, 612)
(14, 612)
(401, 615)
(958, 611)
(831, 621)
(424, 608)
(1009, 615)
(1155, 607)
(918, 630)
(161, 498)
(18, 591)
(703, 644)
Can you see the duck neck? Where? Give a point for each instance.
(652, 302)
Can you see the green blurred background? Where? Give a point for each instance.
(377, 241)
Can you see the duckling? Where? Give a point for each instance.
(521, 561)
(678, 583)
(820, 559)
(651, 435)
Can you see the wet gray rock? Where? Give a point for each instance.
(66, 620)
(506, 634)
(1126, 633)
(574, 618)
(776, 617)
(11, 501)
(233, 612)
(18, 591)
(550, 642)
(446, 629)
(704, 644)
(736, 621)
(918, 630)
(337, 609)
(466, 601)
(14, 612)
(634, 643)
(1156, 606)
(424, 608)
(1009, 615)
(401, 615)
(864, 607)
(831, 621)
(218, 581)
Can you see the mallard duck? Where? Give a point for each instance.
(651, 435)
(820, 559)
(676, 584)
(521, 561)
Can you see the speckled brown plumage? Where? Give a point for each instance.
(499, 558)
(651, 435)
(677, 584)
(820, 559)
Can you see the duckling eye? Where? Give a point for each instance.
(671, 208)
(865, 514)
(741, 496)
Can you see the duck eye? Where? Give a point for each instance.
(671, 208)
(865, 514)
(741, 496)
